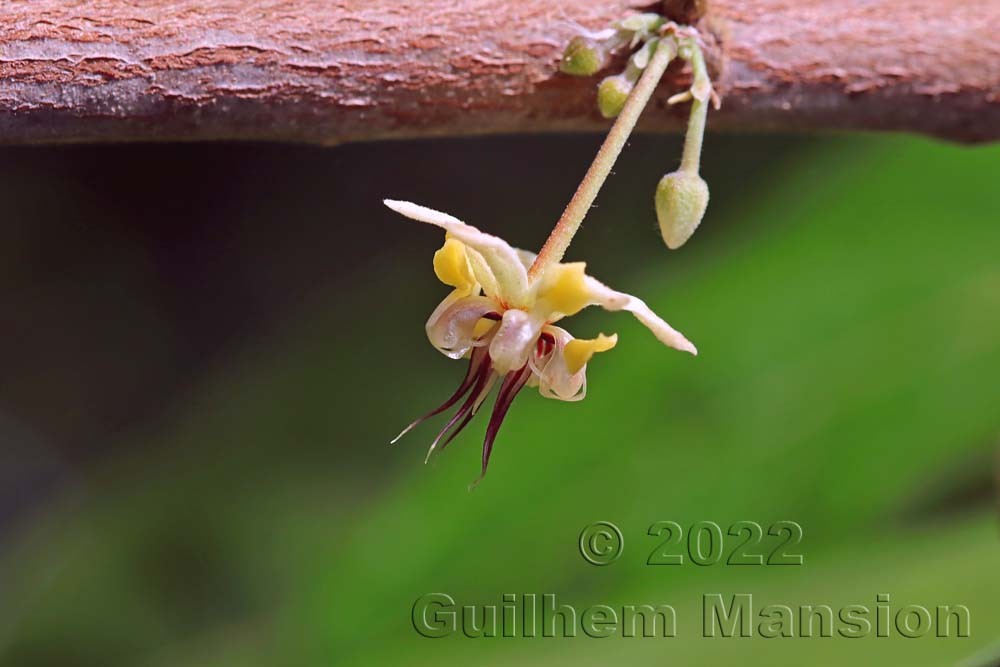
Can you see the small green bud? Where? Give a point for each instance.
(681, 200)
(644, 24)
(612, 94)
(583, 57)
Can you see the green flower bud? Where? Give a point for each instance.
(644, 24)
(583, 57)
(612, 94)
(681, 200)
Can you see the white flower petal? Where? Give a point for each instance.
(514, 341)
(526, 256)
(509, 273)
(484, 274)
(554, 379)
(451, 326)
(609, 299)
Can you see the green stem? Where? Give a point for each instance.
(701, 89)
(555, 247)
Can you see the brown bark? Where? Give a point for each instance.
(323, 71)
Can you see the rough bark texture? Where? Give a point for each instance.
(323, 71)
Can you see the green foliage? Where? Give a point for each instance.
(848, 320)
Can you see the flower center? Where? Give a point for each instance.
(513, 341)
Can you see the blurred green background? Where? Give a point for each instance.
(207, 349)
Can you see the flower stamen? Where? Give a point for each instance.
(513, 382)
(471, 413)
(481, 383)
(477, 361)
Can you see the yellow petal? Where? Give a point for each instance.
(451, 265)
(507, 278)
(483, 327)
(579, 351)
(565, 289)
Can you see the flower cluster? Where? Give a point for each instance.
(681, 197)
(502, 312)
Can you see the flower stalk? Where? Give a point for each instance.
(700, 93)
(682, 196)
(502, 312)
(557, 243)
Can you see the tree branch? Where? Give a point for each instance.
(325, 72)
